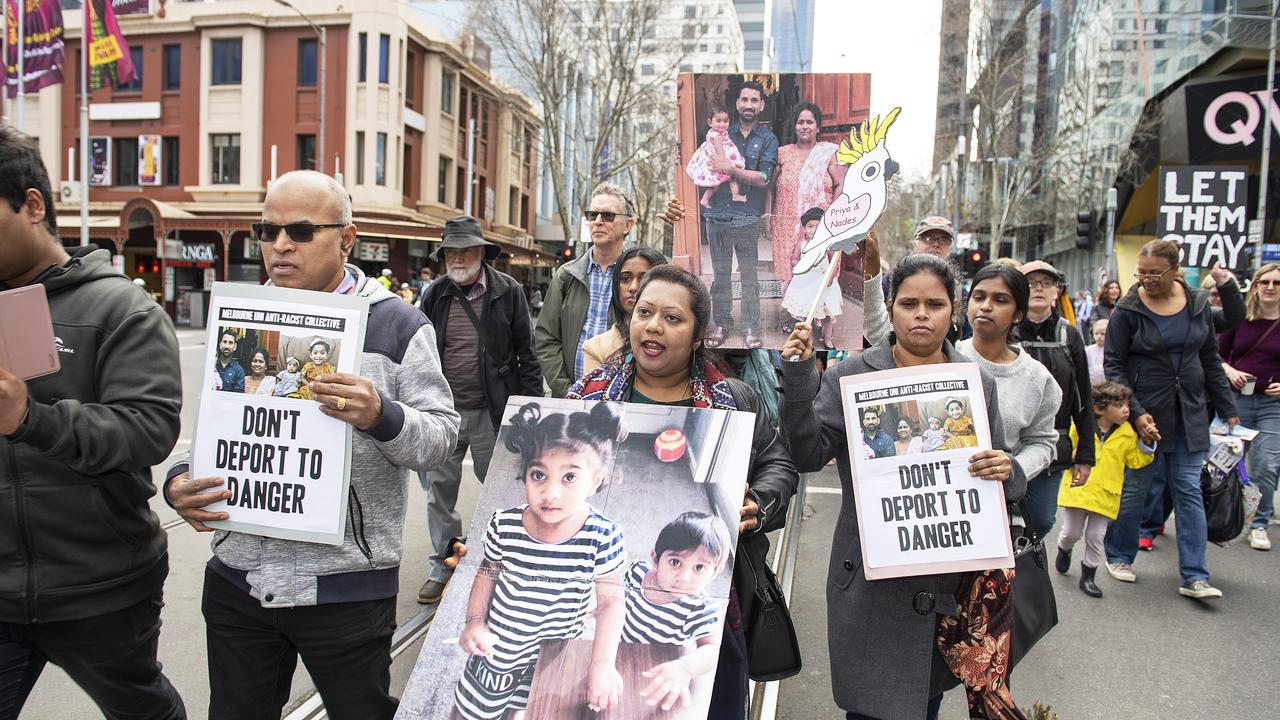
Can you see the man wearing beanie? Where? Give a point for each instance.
(482, 321)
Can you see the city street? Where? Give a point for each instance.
(1141, 652)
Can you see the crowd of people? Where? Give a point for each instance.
(1106, 431)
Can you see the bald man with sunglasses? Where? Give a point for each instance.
(268, 601)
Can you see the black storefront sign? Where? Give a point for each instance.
(1204, 210)
(1226, 119)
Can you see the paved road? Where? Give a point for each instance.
(1141, 652)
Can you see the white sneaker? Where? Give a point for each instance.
(1122, 572)
(1200, 590)
(1258, 539)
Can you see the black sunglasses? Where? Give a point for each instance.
(605, 216)
(299, 232)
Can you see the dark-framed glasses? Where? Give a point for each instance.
(299, 232)
(591, 215)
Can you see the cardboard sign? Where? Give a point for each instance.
(287, 465)
(611, 518)
(1203, 210)
(920, 512)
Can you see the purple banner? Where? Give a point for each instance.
(131, 7)
(44, 46)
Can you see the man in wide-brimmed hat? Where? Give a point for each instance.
(481, 319)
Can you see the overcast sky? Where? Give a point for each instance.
(897, 42)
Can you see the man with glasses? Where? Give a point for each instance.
(577, 306)
(266, 600)
(1058, 345)
(934, 235)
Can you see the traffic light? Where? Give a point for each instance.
(974, 260)
(1086, 229)
(566, 254)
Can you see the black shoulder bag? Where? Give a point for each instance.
(507, 369)
(1035, 610)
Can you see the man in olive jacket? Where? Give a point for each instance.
(82, 557)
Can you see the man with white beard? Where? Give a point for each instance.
(485, 340)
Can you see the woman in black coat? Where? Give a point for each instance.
(1161, 344)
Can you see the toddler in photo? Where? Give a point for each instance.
(699, 167)
(319, 365)
(289, 380)
(959, 426)
(935, 437)
(546, 565)
(666, 605)
(1090, 505)
(805, 287)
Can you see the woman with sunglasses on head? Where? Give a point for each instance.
(633, 264)
(1251, 360)
(1161, 344)
(885, 634)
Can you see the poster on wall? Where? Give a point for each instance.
(100, 161)
(148, 159)
(919, 510)
(287, 465)
(1203, 209)
(597, 572)
(778, 172)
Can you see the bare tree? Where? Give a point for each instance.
(580, 61)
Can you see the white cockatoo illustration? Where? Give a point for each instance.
(861, 199)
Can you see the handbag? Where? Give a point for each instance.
(1035, 609)
(1224, 511)
(506, 371)
(773, 652)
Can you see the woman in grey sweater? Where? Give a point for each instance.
(1029, 395)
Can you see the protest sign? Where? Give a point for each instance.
(1202, 208)
(920, 512)
(287, 465)
(766, 249)
(594, 517)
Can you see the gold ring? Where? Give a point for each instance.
(342, 403)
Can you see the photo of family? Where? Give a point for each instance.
(913, 427)
(760, 166)
(270, 363)
(587, 588)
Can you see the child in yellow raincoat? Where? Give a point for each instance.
(1089, 506)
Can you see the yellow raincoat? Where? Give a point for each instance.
(1101, 494)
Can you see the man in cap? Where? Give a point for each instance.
(481, 319)
(934, 235)
(1057, 344)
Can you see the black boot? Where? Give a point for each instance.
(1087, 584)
(1062, 563)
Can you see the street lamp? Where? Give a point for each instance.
(320, 33)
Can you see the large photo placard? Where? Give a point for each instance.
(761, 248)
(1203, 209)
(911, 433)
(605, 532)
(287, 465)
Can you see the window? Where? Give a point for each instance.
(408, 81)
(406, 164)
(226, 64)
(126, 156)
(134, 85)
(646, 69)
(169, 159)
(363, 51)
(446, 92)
(384, 58)
(445, 168)
(690, 11)
(1161, 66)
(359, 157)
(513, 207)
(307, 59)
(226, 156)
(172, 66)
(306, 152)
(380, 159)
(686, 67)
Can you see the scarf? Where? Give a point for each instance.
(612, 381)
(975, 643)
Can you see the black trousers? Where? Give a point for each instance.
(112, 657)
(724, 241)
(253, 652)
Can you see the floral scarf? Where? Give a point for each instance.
(812, 190)
(975, 643)
(612, 381)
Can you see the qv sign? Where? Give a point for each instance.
(1226, 120)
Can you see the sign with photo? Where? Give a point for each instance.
(100, 161)
(287, 465)
(149, 160)
(597, 572)
(1203, 209)
(765, 176)
(911, 432)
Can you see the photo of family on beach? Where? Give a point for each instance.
(586, 588)
(270, 363)
(913, 427)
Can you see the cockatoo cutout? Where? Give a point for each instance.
(861, 199)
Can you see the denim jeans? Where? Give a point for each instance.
(1262, 413)
(1042, 501)
(1179, 468)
